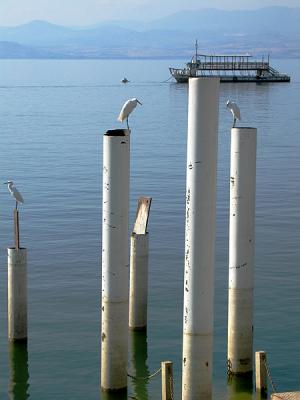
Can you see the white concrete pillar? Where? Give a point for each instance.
(17, 294)
(115, 259)
(200, 238)
(241, 249)
(138, 294)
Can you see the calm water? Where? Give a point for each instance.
(52, 117)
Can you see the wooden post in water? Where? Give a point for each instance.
(167, 386)
(17, 294)
(200, 238)
(261, 377)
(241, 249)
(115, 260)
(139, 247)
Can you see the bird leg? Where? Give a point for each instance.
(234, 122)
(16, 205)
(127, 123)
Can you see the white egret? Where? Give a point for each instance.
(234, 110)
(14, 192)
(125, 80)
(127, 109)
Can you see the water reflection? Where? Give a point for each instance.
(139, 368)
(111, 395)
(240, 387)
(261, 395)
(18, 371)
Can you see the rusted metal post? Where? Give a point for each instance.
(200, 238)
(16, 229)
(167, 385)
(261, 377)
(115, 260)
(139, 248)
(241, 250)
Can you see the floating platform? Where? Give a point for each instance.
(286, 396)
(229, 68)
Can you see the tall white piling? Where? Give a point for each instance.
(241, 250)
(139, 249)
(17, 294)
(200, 238)
(115, 259)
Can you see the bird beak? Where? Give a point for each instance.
(139, 102)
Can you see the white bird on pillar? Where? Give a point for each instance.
(234, 110)
(14, 192)
(127, 109)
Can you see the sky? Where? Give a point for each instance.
(88, 12)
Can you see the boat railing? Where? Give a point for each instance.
(225, 66)
(258, 73)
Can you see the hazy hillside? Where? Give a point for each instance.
(16, 50)
(265, 20)
(274, 29)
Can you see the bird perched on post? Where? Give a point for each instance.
(14, 192)
(234, 110)
(127, 109)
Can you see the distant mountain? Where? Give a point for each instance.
(273, 29)
(34, 33)
(270, 20)
(16, 50)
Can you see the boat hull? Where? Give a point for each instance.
(234, 79)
